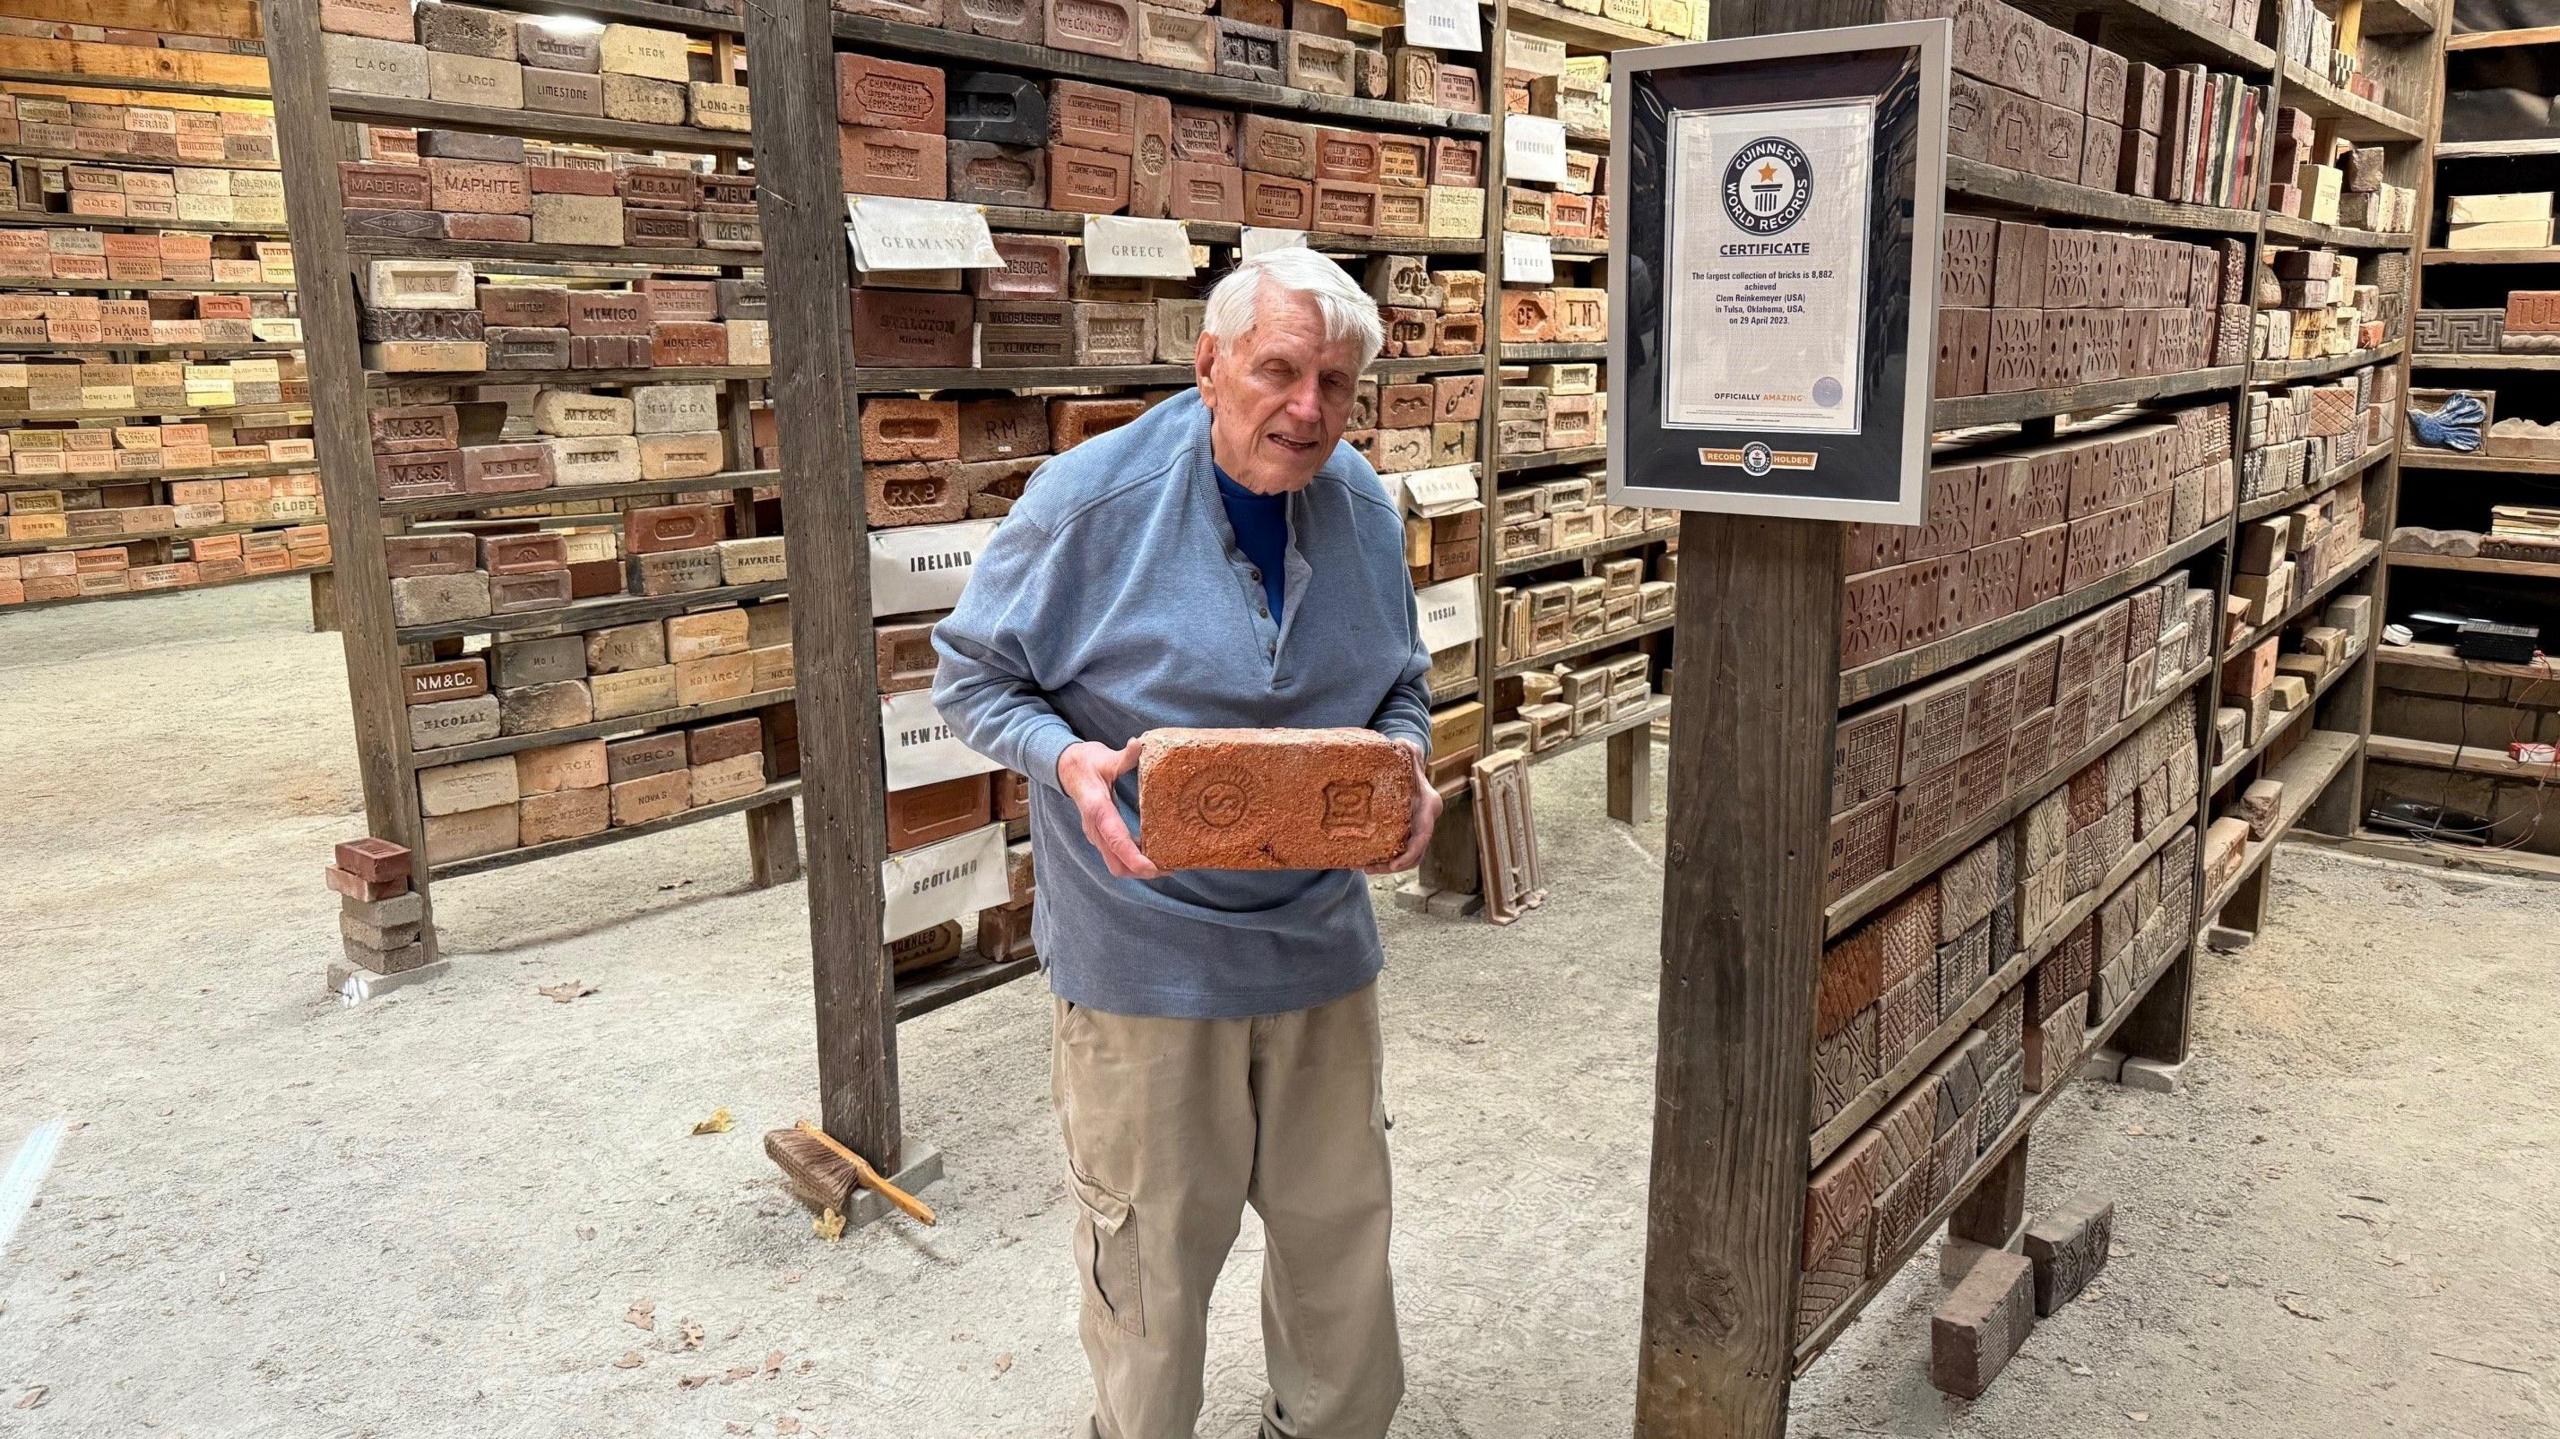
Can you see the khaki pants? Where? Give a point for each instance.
(1172, 1126)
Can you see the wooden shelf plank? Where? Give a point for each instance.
(96, 542)
(533, 853)
(931, 989)
(2225, 773)
(2423, 656)
(256, 347)
(1895, 672)
(2503, 39)
(598, 729)
(589, 614)
(1866, 899)
(873, 35)
(2467, 759)
(2279, 372)
(489, 120)
(146, 594)
(2311, 232)
(1556, 350)
(1574, 651)
(2265, 505)
(2037, 194)
(608, 261)
(2416, 458)
(559, 494)
(20, 150)
(2495, 149)
(48, 219)
(2304, 774)
(1972, 410)
(661, 375)
(104, 287)
(2486, 362)
(2399, 17)
(1870, 1101)
(126, 477)
(2547, 255)
(144, 67)
(1581, 30)
(636, 12)
(1593, 549)
(2476, 565)
(886, 381)
(2164, 32)
(1546, 459)
(2357, 118)
(300, 410)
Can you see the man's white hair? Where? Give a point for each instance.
(1349, 313)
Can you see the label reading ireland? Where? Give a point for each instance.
(1764, 325)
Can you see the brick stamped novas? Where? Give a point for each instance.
(1273, 799)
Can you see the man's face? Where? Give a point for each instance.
(1278, 395)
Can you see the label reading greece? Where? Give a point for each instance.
(1119, 245)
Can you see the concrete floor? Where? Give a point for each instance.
(437, 1214)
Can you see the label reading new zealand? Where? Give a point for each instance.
(1764, 322)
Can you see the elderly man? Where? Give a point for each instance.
(1225, 561)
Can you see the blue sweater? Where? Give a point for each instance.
(1113, 601)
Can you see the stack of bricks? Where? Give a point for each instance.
(2257, 686)
(165, 257)
(2514, 220)
(617, 672)
(1575, 93)
(2284, 556)
(1553, 406)
(463, 185)
(111, 131)
(131, 511)
(464, 55)
(1558, 314)
(2029, 306)
(158, 564)
(2029, 97)
(1540, 709)
(937, 461)
(2312, 308)
(2346, 188)
(2011, 530)
(561, 441)
(426, 316)
(145, 451)
(381, 919)
(988, 137)
(1526, 524)
(1622, 592)
(1893, 980)
(176, 321)
(100, 388)
(2311, 435)
(2311, 41)
(250, 199)
(670, 549)
(584, 787)
(1427, 311)
(1912, 771)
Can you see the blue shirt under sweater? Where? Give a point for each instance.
(1115, 600)
(1261, 525)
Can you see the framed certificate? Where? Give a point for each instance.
(1775, 281)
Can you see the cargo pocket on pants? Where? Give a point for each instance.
(1107, 1253)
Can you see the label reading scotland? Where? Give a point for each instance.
(945, 880)
(1764, 326)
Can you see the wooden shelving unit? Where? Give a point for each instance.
(133, 71)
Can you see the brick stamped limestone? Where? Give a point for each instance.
(1273, 799)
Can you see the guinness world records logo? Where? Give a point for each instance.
(1768, 185)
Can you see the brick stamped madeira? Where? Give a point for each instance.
(1273, 799)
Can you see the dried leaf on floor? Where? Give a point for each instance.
(772, 1363)
(32, 1398)
(786, 1425)
(643, 1315)
(2221, 1281)
(2138, 1416)
(828, 1226)
(718, 1123)
(586, 1231)
(736, 1426)
(2083, 1370)
(563, 993)
(689, 1335)
(740, 1372)
(2294, 1305)
(693, 1381)
(1003, 1362)
(630, 1360)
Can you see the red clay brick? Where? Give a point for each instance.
(910, 429)
(1273, 799)
(375, 861)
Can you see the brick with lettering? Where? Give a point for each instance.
(563, 92)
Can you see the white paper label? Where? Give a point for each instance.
(1532, 55)
(888, 233)
(1261, 241)
(919, 747)
(1444, 24)
(924, 567)
(945, 880)
(1437, 491)
(1450, 614)
(1527, 259)
(1533, 149)
(1766, 264)
(1119, 245)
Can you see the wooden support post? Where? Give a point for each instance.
(324, 602)
(309, 145)
(1993, 1216)
(1758, 625)
(801, 198)
(773, 845)
(1631, 775)
(2159, 1027)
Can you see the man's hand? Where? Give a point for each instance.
(1426, 815)
(1086, 771)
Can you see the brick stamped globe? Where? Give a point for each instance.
(1273, 798)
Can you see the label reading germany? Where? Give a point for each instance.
(889, 233)
(1763, 322)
